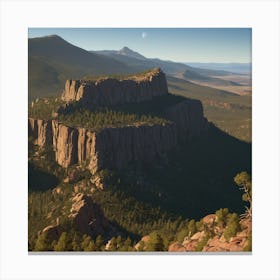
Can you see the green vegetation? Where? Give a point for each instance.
(103, 118)
(202, 243)
(157, 197)
(243, 180)
(155, 243)
(132, 216)
(44, 108)
(165, 199)
(229, 221)
(232, 227)
(43, 79)
(248, 247)
(144, 113)
(52, 60)
(131, 76)
(64, 243)
(230, 112)
(43, 243)
(222, 215)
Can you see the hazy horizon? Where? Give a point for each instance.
(193, 45)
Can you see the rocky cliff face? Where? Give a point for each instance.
(87, 216)
(109, 148)
(114, 148)
(109, 92)
(188, 117)
(41, 130)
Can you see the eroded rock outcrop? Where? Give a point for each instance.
(108, 148)
(52, 232)
(188, 117)
(217, 241)
(109, 92)
(41, 130)
(87, 216)
(115, 147)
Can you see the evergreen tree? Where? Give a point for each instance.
(43, 243)
(243, 180)
(233, 226)
(99, 242)
(90, 247)
(76, 243)
(155, 243)
(64, 243)
(85, 242)
(222, 216)
(191, 227)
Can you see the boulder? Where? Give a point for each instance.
(87, 216)
(52, 232)
(143, 242)
(176, 247)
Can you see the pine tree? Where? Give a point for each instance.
(243, 180)
(191, 227)
(222, 216)
(155, 243)
(76, 243)
(99, 242)
(233, 226)
(64, 243)
(43, 243)
(91, 246)
(85, 242)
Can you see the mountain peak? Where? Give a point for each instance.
(129, 52)
(125, 49)
(48, 38)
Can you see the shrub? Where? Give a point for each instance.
(233, 226)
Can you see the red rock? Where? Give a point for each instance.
(209, 219)
(176, 247)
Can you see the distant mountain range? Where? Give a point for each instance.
(52, 60)
(239, 68)
(139, 62)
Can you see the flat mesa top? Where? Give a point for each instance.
(141, 76)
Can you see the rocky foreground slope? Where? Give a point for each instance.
(213, 237)
(217, 242)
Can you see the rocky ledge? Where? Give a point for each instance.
(110, 91)
(115, 147)
(85, 215)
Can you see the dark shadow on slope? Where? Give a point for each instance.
(197, 178)
(39, 180)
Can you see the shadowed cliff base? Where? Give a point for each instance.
(40, 180)
(195, 179)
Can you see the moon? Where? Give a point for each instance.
(144, 35)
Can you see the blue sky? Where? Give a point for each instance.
(176, 44)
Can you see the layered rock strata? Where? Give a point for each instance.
(188, 117)
(109, 148)
(110, 92)
(115, 147)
